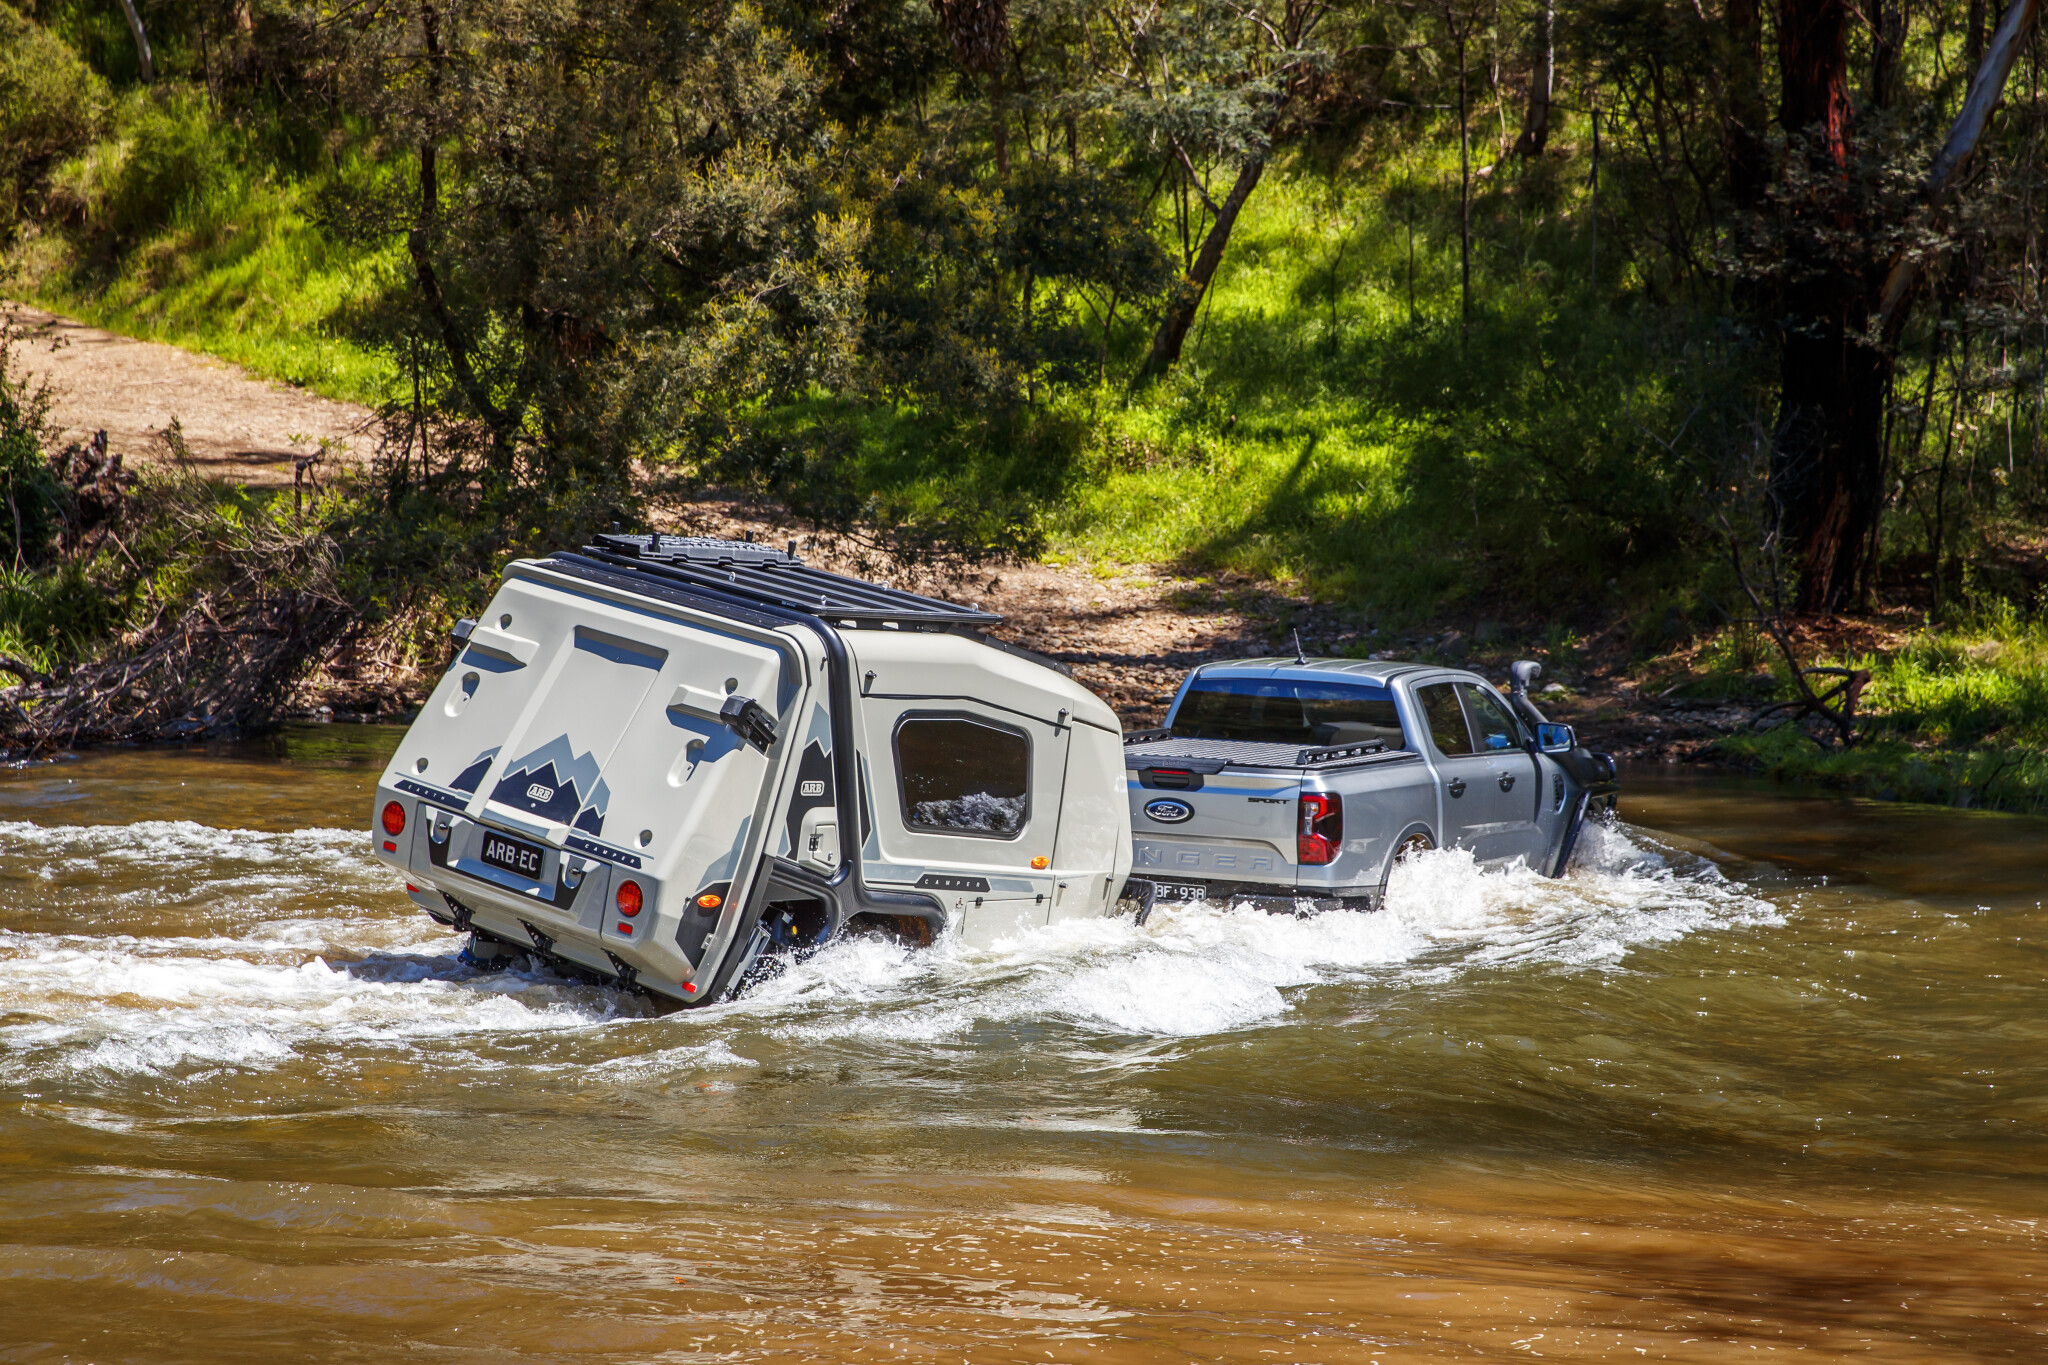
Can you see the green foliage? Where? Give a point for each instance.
(166, 153)
(51, 106)
(830, 254)
(976, 293)
(51, 617)
(28, 489)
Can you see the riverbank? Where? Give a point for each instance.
(1953, 716)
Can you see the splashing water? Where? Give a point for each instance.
(293, 950)
(1647, 1109)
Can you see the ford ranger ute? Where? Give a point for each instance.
(659, 757)
(1301, 781)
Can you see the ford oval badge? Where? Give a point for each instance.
(1169, 812)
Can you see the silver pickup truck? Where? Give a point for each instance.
(1302, 780)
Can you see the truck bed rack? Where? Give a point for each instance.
(1159, 748)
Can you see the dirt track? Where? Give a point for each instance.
(235, 425)
(1129, 633)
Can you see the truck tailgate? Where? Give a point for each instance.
(1195, 814)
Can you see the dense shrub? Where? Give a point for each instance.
(165, 152)
(28, 489)
(51, 107)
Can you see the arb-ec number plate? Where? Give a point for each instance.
(512, 855)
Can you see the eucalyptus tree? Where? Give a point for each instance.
(614, 215)
(1207, 86)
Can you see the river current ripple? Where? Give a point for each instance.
(1761, 1073)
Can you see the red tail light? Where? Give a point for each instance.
(1322, 827)
(629, 898)
(394, 818)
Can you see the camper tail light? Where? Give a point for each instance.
(629, 898)
(1322, 827)
(393, 819)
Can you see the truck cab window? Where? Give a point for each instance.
(962, 776)
(1288, 711)
(1495, 728)
(1446, 719)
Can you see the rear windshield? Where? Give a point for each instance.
(1288, 711)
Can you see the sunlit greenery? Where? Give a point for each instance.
(188, 231)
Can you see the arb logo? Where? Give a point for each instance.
(539, 793)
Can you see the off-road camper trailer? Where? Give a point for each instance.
(654, 758)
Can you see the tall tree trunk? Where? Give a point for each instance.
(1813, 60)
(142, 58)
(1887, 43)
(1464, 197)
(1987, 84)
(1827, 474)
(1826, 467)
(1535, 132)
(1181, 308)
(1748, 160)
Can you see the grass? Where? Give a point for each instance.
(1956, 715)
(1270, 451)
(1337, 426)
(183, 233)
(1332, 426)
(49, 618)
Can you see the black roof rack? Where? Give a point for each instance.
(761, 573)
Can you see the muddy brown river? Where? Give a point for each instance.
(1766, 1075)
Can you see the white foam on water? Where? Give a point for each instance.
(1202, 969)
(315, 954)
(320, 961)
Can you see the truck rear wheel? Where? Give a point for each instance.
(1415, 843)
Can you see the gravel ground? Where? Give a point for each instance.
(1128, 633)
(236, 426)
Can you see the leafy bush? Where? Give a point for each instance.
(166, 152)
(50, 617)
(51, 107)
(28, 489)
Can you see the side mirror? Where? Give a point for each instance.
(1556, 739)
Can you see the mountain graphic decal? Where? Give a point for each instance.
(540, 791)
(552, 782)
(591, 818)
(468, 778)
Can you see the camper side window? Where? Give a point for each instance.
(962, 776)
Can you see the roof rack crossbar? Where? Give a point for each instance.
(773, 577)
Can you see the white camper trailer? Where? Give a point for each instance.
(657, 758)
